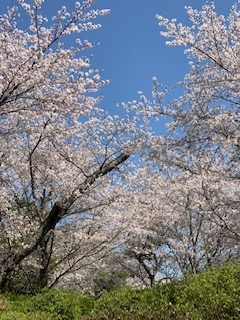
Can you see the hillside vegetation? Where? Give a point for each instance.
(214, 294)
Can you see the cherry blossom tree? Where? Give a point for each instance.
(186, 212)
(175, 227)
(205, 126)
(202, 148)
(199, 156)
(59, 151)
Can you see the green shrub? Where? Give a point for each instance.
(212, 295)
(132, 304)
(4, 304)
(48, 305)
(14, 315)
(26, 281)
(109, 281)
(62, 304)
(19, 302)
(16, 307)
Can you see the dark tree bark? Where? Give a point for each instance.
(58, 211)
(46, 248)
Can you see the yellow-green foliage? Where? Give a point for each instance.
(15, 315)
(212, 295)
(47, 305)
(3, 304)
(63, 304)
(208, 296)
(129, 304)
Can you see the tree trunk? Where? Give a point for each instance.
(58, 211)
(10, 264)
(150, 275)
(46, 248)
(7, 280)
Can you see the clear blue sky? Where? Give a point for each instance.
(131, 49)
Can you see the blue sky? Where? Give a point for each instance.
(131, 50)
